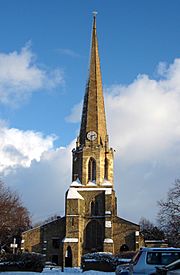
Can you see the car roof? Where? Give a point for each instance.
(160, 249)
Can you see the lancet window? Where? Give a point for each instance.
(92, 170)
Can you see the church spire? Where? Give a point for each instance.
(92, 157)
(93, 116)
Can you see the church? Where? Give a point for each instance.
(90, 223)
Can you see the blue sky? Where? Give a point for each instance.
(133, 36)
(44, 56)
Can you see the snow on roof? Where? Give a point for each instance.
(76, 183)
(106, 183)
(70, 240)
(91, 183)
(73, 194)
(108, 240)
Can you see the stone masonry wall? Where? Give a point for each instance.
(124, 233)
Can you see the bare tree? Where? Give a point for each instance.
(150, 231)
(14, 217)
(169, 214)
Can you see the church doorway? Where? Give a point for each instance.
(94, 237)
(68, 257)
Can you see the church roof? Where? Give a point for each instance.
(93, 115)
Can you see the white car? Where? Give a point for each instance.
(147, 259)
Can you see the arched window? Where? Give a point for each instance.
(106, 168)
(92, 170)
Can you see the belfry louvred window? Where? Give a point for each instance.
(92, 170)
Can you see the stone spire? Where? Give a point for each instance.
(93, 114)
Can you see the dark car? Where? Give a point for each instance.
(173, 268)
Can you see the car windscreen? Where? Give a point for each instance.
(136, 257)
(162, 258)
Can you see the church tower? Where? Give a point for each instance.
(91, 210)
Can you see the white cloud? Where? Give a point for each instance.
(20, 76)
(20, 148)
(44, 183)
(30, 164)
(68, 52)
(75, 113)
(144, 126)
(143, 118)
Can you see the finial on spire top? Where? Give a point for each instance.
(95, 13)
(94, 19)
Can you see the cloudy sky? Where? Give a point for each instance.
(44, 57)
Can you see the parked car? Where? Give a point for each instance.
(101, 261)
(147, 259)
(171, 269)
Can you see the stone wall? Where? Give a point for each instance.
(46, 239)
(124, 233)
(32, 240)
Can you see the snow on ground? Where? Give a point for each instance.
(56, 271)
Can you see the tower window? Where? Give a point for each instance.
(106, 169)
(94, 208)
(92, 170)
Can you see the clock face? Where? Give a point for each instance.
(91, 135)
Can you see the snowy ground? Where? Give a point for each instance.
(57, 271)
